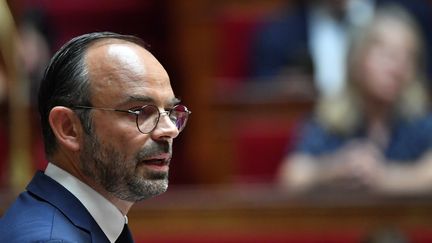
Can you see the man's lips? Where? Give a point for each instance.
(159, 160)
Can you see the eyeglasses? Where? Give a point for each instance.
(147, 117)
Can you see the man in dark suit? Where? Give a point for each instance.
(109, 117)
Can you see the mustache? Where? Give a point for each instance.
(154, 149)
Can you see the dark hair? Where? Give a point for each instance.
(66, 81)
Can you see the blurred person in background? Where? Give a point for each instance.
(377, 134)
(109, 117)
(311, 38)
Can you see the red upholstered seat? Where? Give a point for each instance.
(259, 147)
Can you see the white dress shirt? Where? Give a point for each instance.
(107, 216)
(329, 43)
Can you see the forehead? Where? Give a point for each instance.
(119, 70)
(393, 31)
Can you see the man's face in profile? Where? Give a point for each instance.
(125, 162)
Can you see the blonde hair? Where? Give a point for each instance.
(343, 114)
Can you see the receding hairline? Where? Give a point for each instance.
(112, 41)
(116, 40)
(91, 51)
(98, 56)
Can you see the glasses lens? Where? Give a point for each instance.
(179, 116)
(147, 118)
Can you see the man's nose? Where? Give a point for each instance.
(165, 127)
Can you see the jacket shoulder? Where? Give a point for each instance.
(31, 219)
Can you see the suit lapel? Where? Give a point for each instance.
(49, 190)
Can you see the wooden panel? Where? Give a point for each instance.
(262, 213)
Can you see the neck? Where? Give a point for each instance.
(378, 117)
(122, 205)
(377, 110)
(70, 164)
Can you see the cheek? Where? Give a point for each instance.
(122, 136)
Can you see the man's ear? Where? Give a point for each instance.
(66, 127)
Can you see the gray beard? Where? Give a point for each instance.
(109, 168)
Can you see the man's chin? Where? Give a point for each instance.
(160, 191)
(151, 188)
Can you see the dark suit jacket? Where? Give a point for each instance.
(47, 212)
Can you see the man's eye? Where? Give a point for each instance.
(149, 111)
(135, 108)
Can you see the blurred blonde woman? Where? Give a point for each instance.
(377, 134)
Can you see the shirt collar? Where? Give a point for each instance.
(106, 215)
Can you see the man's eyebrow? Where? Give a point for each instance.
(175, 101)
(146, 99)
